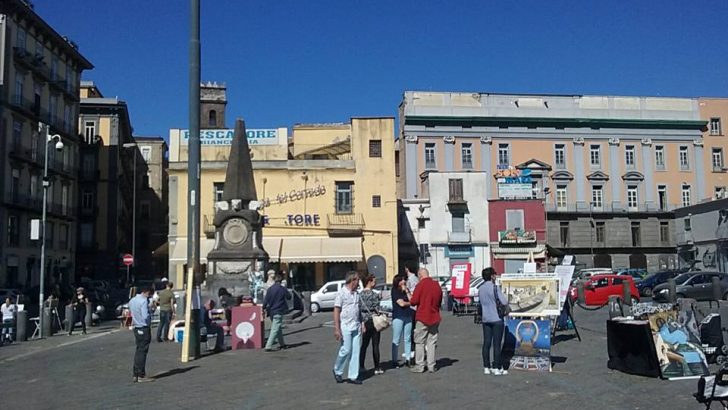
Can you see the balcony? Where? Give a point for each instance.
(458, 237)
(208, 226)
(345, 224)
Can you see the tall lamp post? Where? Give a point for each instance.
(55, 138)
(133, 145)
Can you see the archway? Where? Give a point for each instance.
(638, 260)
(377, 266)
(602, 261)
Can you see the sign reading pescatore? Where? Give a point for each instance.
(225, 137)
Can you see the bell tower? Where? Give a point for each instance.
(213, 102)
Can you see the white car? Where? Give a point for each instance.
(325, 296)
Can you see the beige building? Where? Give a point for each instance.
(714, 111)
(328, 196)
(39, 73)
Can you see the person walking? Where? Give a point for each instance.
(78, 303)
(369, 306)
(428, 298)
(9, 310)
(401, 320)
(141, 320)
(275, 305)
(166, 304)
(348, 329)
(492, 323)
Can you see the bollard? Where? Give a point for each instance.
(89, 312)
(615, 307)
(671, 292)
(69, 318)
(717, 291)
(306, 298)
(580, 296)
(21, 326)
(46, 322)
(626, 293)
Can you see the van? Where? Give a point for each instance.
(325, 296)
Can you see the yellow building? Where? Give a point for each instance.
(328, 195)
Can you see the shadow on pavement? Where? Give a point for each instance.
(302, 330)
(562, 338)
(445, 362)
(295, 345)
(173, 372)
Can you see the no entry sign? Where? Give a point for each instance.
(128, 259)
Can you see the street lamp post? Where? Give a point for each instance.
(46, 183)
(133, 211)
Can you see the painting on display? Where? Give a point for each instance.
(530, 341)
(532, 296)
(677, 343)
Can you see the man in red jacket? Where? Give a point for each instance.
(428, 298)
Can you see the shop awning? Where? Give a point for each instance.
(518, 252)
(179, 249)
(320, 249)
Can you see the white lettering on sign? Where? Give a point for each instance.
(294, 195)
(225, 137)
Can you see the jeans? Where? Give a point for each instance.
(349, 350)
(79, 315)
(492, 335)
(220, 335)
(373, 335)
(143, 337)
(7, 331)
(165, 316)
(276, 332)
(401, 327)
(425, 343)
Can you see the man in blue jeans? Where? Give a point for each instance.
(275, 306)
(348, 329)
(141, 320)
(166, 308)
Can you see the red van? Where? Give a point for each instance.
(598, 289)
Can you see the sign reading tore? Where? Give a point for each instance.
(225, 137)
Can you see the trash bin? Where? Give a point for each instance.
(21, 326)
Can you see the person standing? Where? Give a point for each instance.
(412, 281)
(78, 303)
(428, 298)
(369, 306)
(141, 320)
(401, 320)
(166, 303)
(275, 305)
(9, 310)
(348, 329)
(492, 323)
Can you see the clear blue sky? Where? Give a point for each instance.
(290, 61)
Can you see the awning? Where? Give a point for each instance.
(518, 252)
(179, 249)
(320, 249)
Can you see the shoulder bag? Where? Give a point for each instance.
(503, 310)
(379, 320)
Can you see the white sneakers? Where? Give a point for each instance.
(500, 372)
(487, 370)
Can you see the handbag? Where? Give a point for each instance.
(503, 310)
(379, 320)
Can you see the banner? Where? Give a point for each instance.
(460, 280)
(225, 137)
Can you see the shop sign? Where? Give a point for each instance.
(303, 220)
(513, 176)
(516, 236)
(294, 195)
(517, 191)
(225, 137)
(459, 251)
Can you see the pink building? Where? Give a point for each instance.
(517, 228)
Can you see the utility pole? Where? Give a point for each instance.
(191, 346)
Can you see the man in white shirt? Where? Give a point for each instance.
(9, 309)
(348, 329)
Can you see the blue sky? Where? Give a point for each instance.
(288, 61)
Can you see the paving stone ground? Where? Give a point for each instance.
(94, 372)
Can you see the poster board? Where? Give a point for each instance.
(677, 344)
(246, 327)
(530, 342)
(460, 280)
(565, 273)
(531, 295)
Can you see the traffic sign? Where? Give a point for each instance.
(128, 259)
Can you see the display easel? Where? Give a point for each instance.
(568, 308)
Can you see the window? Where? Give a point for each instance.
(458, 222)
(145, 210)
(664, 232)
(145, 180)
(63, 236)
(212, 118)
(688, 224)
(597, 197)
(334, 287)
(376, 201)
(659, 157)
(54, 62)
(344, 200)
(33, 186)
(421, 223)
(595, 157)
(218, 188)
(64, 199)
(20, 39)
(14, 184)
(715, 127)
(87, 200)
(599, 232)
(430, 161)
(455, 186)
(146, 153)
(89, 166)
(89, 131)
(632, 197)
(717, 159)
(564, 234)
(467, 156)
(49, 234)
(560, 156)
(19, 80)
(629, 156)
(504, 154)
(396, 164)
(685, 195)
(515, 219)
(39, 51)
(53, 107)
(662, 197)
(17, 133)
(636, 234)
(684, 162)
(719, 192)
(87, 234)
(13, 230)
(375, 148)
(561, 197)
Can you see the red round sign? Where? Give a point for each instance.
(128, 259)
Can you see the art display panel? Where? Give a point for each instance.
(677, 343)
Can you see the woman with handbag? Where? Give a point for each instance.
(369, 308)
(494, 307)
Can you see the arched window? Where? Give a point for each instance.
(212, 121)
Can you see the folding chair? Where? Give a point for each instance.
(713, 388)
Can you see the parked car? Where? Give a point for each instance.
(694, 285)
(598, 289)
(588, 273)
(637, 273)
(646, 285)
(325, 296)
(384, 290)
